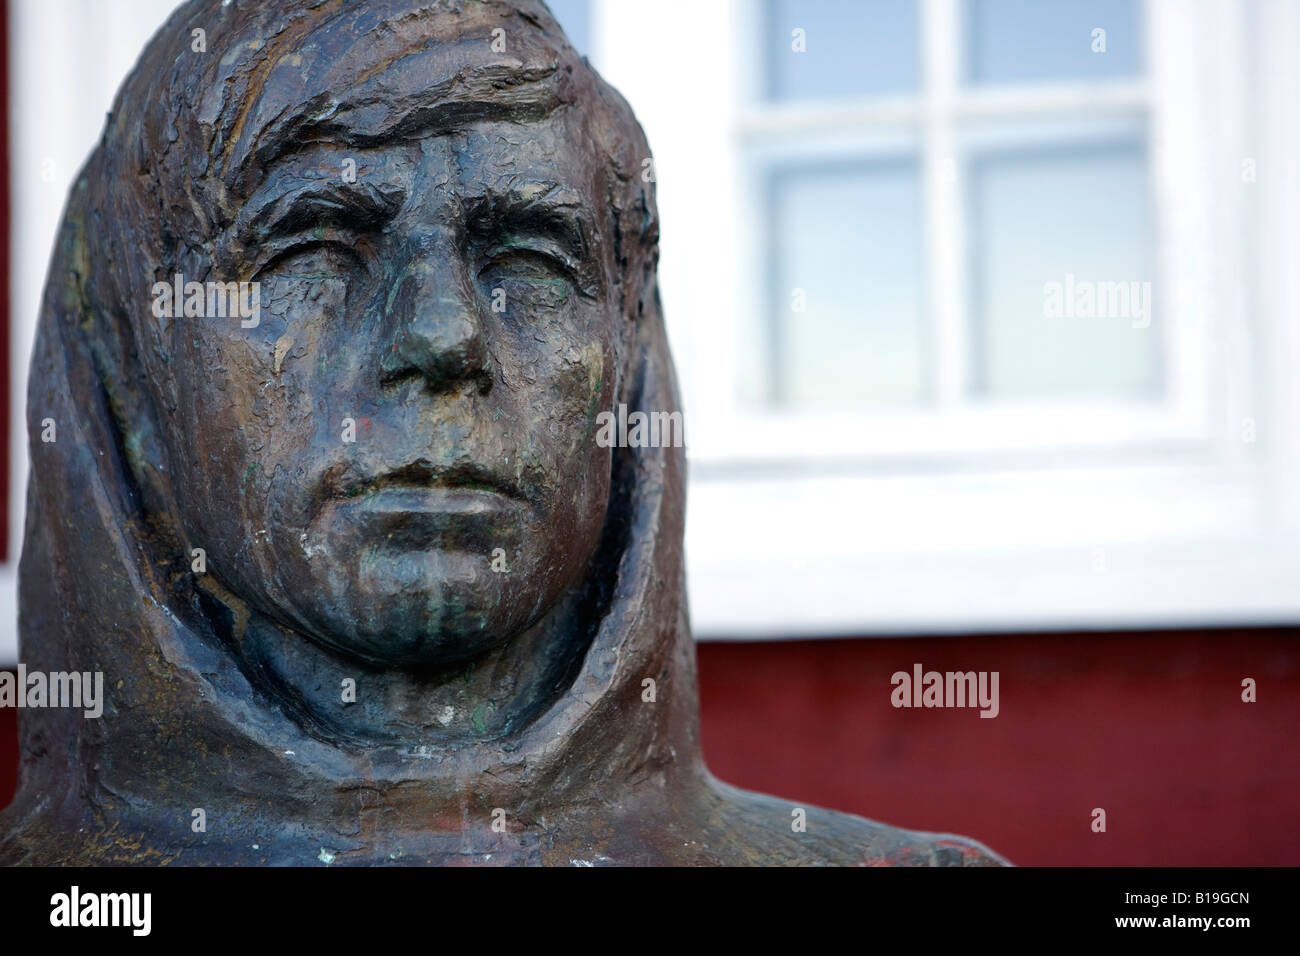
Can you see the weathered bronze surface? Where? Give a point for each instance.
(455, 247)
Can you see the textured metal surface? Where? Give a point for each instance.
(497, 586)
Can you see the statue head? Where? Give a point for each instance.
(433, 220)
(334, 311)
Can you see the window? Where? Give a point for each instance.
(972, 311)
(1027, 41)
(863, 49)
(1038, 220)
(1034, 191)
(846, 264)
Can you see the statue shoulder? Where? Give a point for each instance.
(771, 831)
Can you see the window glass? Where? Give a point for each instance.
(1027, 41)
(845, 48)
(846, 296)
(1061, 280)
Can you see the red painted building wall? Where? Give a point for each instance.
(1150, 727)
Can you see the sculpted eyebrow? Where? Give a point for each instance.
(348, 205)
(539, 207)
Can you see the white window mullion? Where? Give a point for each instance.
(942, 177)
(1183, 68)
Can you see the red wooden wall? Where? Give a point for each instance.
(1149, 726)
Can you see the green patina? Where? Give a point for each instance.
(134, 442)
(479, 716)
(591, 407)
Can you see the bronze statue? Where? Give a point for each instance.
(335, 307)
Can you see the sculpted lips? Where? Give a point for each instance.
(418, 502)
(423, 475)
(437, 499)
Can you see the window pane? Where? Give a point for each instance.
(1062, 285)
(850, 48)
(1019, 41)
(575, 18)
(846, 287)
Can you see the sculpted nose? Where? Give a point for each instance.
(434, 327)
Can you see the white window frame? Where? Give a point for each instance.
(968, 516)
(928, 125)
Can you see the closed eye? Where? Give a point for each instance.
(283, 260)
(527, 257)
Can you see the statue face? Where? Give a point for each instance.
(399, 460)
